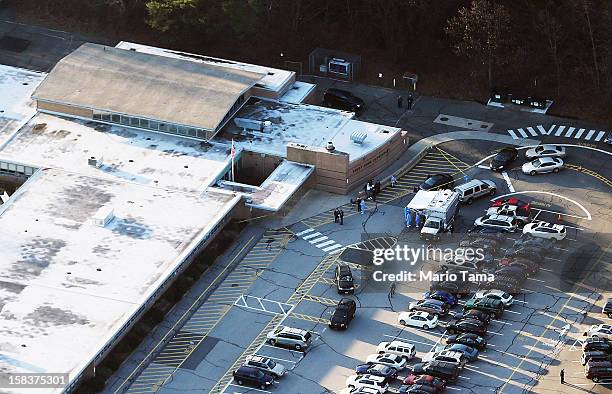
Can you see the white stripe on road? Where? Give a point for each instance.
(484, 167)
(559, 131)
(280, 359)
(312, 235)
(551, 129)
(515, 312)
(317, 240)
(507, 179)
(579, 134)
(304, 232)
(589, 135)
(326, 243)
(542, 130)
(281, 348)
(248, 388)
(570, 131)
(396, 338)
(514, 136)
(333, 247)
(532, 131)
(600, 135)
(522, 132)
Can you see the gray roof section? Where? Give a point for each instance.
(144, 85)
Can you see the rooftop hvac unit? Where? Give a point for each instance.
(358, 137)
(250, 124)
(103, 216)
(330, 147)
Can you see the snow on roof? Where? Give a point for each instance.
(274, 79)
(68, 286)
(280, 185)
(138, 156)
(298, 92)
(304, 124)
(16, 106)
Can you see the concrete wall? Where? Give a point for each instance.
(369, 166)
(64, 109)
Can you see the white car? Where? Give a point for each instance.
(501, 222)
(446, 355)
(266, 364)
(545, 230)
(545, 151)
(520, 214)
(543, 165)
(495, 294)
(388, 359)
(600, 331)
(369, 381)
(420, 319)
(404, 349)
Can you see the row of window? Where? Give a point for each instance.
(370, 162)
(150, 125)
(16, 169)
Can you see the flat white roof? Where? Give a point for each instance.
(66, 285)
(16, 106)
(142, 157)
(274, 78)
(280, 185)
(304, 124)
(298, 92)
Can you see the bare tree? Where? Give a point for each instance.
(553, 32)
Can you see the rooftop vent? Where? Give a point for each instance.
(94, 162)
(103, 216)
(358, 137)
(251, 124)
(330, 146)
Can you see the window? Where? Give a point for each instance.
(163, 127)
(106, 117)
(182, 130)
(116, 118)
(173, 129)
(134, 122)
(191, 132)
(144, 123)
(154, 125)
(125, 120)
(97, 116)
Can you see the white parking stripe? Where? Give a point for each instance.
(542, 130)
(483, 167)
(515, 312)
(281, 348)
(317, 240)
(312, 235)
(551, 129)
(398, 338)
(330, 248)
(570, 131)
(522, 132)
(589, 135)
(579, 134)
(304, 232)
(326, 243)
(511, 132)
(600, 135)
(507, 179)
(248, 388)
(280, 359)
(532, 131)
(559, 131)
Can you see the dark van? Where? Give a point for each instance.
(343, 100)
(254, 377)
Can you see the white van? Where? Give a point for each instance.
(474, 189)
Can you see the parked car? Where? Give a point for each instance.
(594, 343)
(438, 383)
(470, 353)
(473, 314)
(598, 371)
(542, 244)
(486, 244)
(517, 272)
(343, 100)
(344, 279)
(266, 365)
(474, 189)
(254, 377)
(469, 339)
(545, 150)
(447, 356)
(510, 201)
(437, 182)
(595, 355)
(607, 308)
(546, 230)
(459, 289)
(343, 314)
(505, 223)
(419, 319)
(388, 359)
(528, 266)
(417, 389)
(371, 381)
(495, 294)
(295, 338)
(504, 281)
(522, 215)
(440, 295)
(439, 369)
(404, 349)
(467, 325)
(543, 165)
(494, 307)
(600, 331)
(436, 307)
(385, 371)
(503, 159)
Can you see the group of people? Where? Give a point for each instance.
(372, 189)
(339, 216)
(409, 101)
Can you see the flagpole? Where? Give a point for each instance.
(233, 154)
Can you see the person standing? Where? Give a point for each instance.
(562, 376)
(393, 181)
(358, 203)
(341, 214)
(409, 101)
(336, 215)
(400, 101)
(363, 207)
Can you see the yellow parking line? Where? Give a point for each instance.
(320, 300)
(309, 318)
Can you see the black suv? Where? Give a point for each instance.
(607, 309)
(503, 158)
(341, 99)
(437, 182)
(253, 376)
(344, 313)
(344, 279)
(472, 326)
(598, 371)
(474, 314)
(595, 343)
(489, 305)
(468, 339)
(440, 369)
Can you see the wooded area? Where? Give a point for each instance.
(557, 49)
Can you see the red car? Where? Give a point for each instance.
(512, 201)
(427, 380)
(529, 266)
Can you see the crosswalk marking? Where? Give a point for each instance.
(522, 132)
(311, 235)
(511, 132)
(532, 131)
(330, 248)
(589, 135)
(600, 135)
(317, 240)
(570, 131)
(559, 131)
(304, 232)
(579, 134)
(326, 243)
(551, 129)
(542, 130)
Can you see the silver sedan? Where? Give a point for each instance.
(545, 151)
(543, 165)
